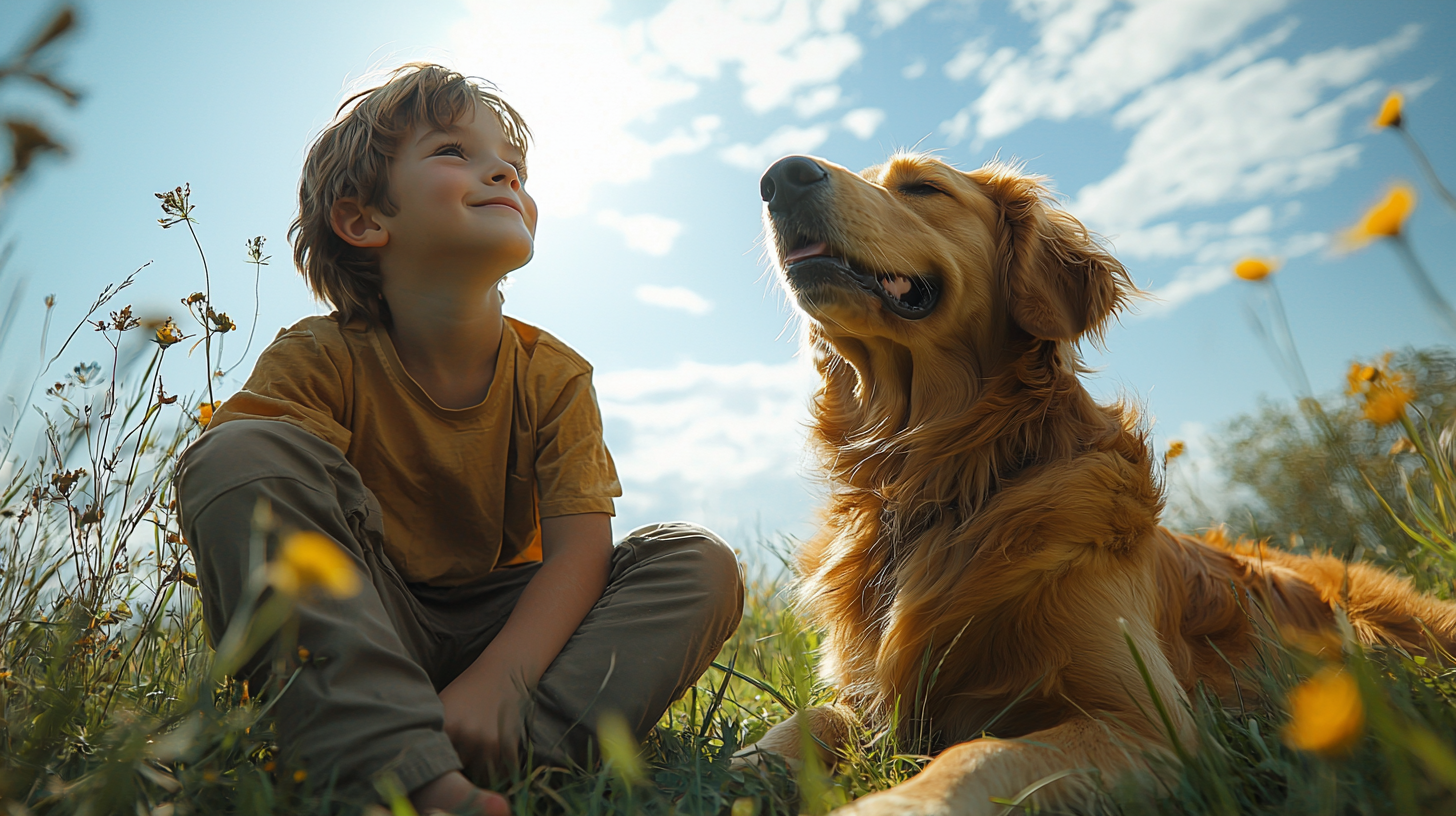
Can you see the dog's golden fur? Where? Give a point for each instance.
(992, 524)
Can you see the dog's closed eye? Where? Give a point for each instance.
(921, 188)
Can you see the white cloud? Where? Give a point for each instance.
(569, 62)
(1214, 269)
(707, 426)
(914, 70)
(817, 101)
(539, 69)
(1237, 129)
(652, 234)
(972, 55)
(894, 12)
(779, 47)
(674, 297)
(1091, 54)
(863, 122)
(722, 445)
(1190, 282)
(782, 142)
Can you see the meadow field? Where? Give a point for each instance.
(113, 700)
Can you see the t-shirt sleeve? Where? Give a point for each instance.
(574, 471)
(299, 380)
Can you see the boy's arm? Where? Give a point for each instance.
(482, 705)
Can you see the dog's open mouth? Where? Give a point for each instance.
(909, 296)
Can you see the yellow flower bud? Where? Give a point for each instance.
(168, 334)
(205, 411)
(1384, 220)
(1390, 110)
(1254, 269)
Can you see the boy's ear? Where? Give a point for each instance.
(356, 225)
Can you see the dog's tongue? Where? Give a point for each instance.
(817, 248)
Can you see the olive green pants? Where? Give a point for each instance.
(366, 701)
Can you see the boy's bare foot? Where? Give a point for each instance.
(453, 793)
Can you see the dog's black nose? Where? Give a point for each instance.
(790, 179)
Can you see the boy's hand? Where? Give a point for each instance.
(484, 705)
(483, 721)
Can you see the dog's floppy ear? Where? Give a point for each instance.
(1060, 282)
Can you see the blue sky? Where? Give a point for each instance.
(1189, 133)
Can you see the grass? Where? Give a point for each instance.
(112, 701)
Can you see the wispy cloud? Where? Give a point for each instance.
(863, 122)
(720, 444)
(680, 298)
(645, 232)
(1240, 128)
(1092, 54)
(817, 101)
(782, 142)
(573, 61)
(1212, 248)
(1215, 120)
(707, 424)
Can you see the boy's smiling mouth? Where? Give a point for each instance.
(500, 201)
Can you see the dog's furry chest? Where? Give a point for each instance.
(956, 595)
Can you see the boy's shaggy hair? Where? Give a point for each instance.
(351, 160)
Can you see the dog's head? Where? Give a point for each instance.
(925, 256)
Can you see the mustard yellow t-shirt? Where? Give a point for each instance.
(463, 491)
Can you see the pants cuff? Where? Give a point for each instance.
(424, 762)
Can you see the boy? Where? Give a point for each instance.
(457, 456)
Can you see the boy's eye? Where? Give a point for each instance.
(452, 149)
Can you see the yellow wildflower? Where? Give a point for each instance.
(1176, 448)
(1386, 404)
(1385, 220)
(1389, 115)
(618, 747)
(1254, 269)
(300, 775)
(310, 560)
(205, 410)
(1359, 378)
(1326, 715)
(1385, 392)
(168, 334)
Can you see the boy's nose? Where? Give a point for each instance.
(789, 181)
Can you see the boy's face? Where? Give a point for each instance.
(459, 201)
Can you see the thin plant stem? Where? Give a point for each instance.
(1285, 338)
(1427, 287)
(1425, 164)
(207, 291)
(257, 310)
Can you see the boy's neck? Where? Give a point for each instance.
(447, 341)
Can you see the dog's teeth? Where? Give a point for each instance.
(895, 285)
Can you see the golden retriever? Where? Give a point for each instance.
(990, 523)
